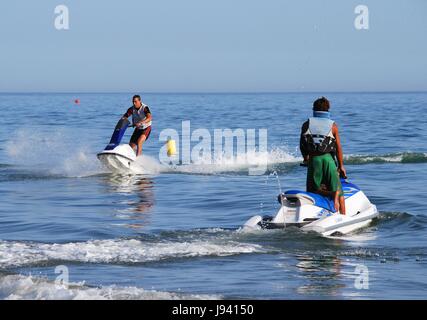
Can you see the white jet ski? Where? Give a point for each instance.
(313, 212)
(116, 156)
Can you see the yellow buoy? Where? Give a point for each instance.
(171, 147)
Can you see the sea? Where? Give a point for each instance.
(72, 229)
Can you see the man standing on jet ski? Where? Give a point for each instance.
(141, 120)
(319, 144)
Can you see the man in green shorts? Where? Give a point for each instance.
(319, 143)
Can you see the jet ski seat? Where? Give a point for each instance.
(318, 200)
(310, 198)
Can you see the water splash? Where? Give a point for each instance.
(53, 154)
(18, 287)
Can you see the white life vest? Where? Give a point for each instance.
(139, 115)
(319, 136)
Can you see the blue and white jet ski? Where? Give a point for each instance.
(313, 212)
(116, 156)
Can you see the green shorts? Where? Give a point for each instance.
(323, 170)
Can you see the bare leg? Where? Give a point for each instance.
(141, 140)
(342, 205)
(339, 202)
(132, 145)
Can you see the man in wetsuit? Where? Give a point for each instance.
(319, 143)
(141, 120)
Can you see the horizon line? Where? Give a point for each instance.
(211, 92)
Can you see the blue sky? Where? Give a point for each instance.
(213, 46)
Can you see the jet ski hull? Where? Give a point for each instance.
(310, 212)
(120, 158)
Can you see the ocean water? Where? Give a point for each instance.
(175, 232)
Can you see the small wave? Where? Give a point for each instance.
(391, 220)
(27, 176)
(386, 216)
(401, 221)
(405, 157)
(20, 287)
(132, 251)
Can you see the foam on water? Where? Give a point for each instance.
(148, 165)
(52, 154)
(18, 287)
(57, 154)
(249, 162)
(16, 254)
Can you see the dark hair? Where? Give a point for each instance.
(321, 104)
(137, 96)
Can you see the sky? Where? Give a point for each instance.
(213, 46)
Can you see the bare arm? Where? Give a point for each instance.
(127, 114)
(302, 148)
(148, 117)
(340, 154)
